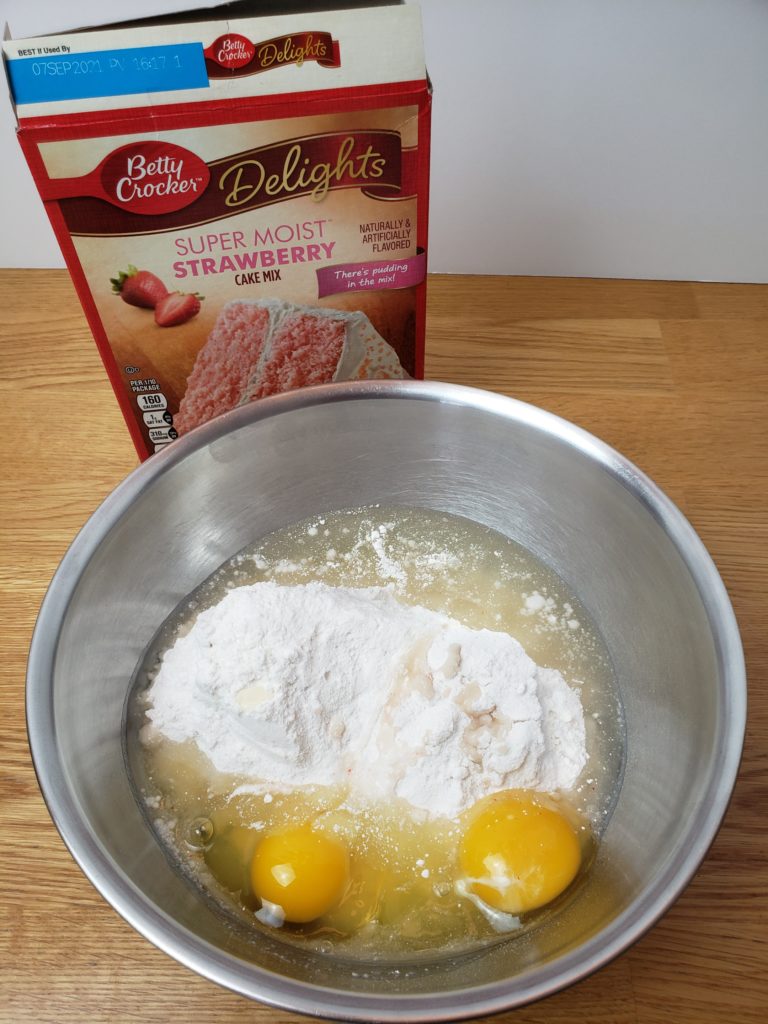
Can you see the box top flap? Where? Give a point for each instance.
(192, 62)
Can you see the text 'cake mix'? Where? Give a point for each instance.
(242, 204)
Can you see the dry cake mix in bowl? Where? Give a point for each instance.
(388, 701)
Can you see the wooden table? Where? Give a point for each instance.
(673, 375)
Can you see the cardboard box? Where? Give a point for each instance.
(242, 204)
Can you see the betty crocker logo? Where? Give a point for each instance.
(153, 177)
(146, 178)
(158, 187)
(233, 55)
(231, 51)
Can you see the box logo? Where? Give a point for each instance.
(231, 51)
(233, 55)
(159, 186)
(311, 166)
(146, 178)
(153, 177)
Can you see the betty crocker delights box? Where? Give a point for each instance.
(242, 204)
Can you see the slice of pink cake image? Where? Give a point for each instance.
(261, 347)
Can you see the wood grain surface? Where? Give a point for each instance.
(674, 375)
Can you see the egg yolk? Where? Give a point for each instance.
(518, 855)
(303, 871)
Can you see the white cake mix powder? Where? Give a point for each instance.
(313, 685)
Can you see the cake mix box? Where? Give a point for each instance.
(242, 204)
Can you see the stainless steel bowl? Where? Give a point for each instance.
(619, 543)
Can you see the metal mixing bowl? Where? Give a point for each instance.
(614, 538)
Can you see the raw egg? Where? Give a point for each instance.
(303, 871)
(518, 854)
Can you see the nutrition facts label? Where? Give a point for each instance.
(157, 419)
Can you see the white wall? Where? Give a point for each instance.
(609, 138)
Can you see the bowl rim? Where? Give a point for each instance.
(276, 990)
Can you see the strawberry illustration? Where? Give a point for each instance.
(176, 308)
(139, 287)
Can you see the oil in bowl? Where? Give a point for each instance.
(329, 738)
